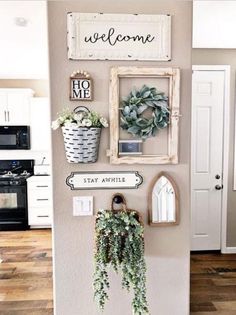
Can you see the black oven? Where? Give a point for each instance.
(13, 205)
(14, 137)
(13, 193)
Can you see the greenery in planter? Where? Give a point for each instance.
(82, 118)
(135, 106)
(120, 244)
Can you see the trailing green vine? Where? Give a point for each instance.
(133, 118)
(120, 244)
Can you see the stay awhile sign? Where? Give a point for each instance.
(104, 180)
(119, 36)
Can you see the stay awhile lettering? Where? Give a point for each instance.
(112, 38)
(104, 180)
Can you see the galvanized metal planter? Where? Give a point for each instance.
(81, 144)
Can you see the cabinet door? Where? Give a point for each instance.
(40, 124)
(3, 108)
(18, 108)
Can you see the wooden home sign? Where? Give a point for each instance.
(104, 180)
(119, 36)
(80, 86)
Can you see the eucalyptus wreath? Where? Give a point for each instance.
(120, 244)
(133, 109)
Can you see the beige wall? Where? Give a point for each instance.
(224, 57)
(40, 87)
(167, 249)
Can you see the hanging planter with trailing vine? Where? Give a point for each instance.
(120, 245)
(135, 118)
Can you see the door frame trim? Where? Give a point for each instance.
(226, 130)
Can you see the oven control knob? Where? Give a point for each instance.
(15, 182)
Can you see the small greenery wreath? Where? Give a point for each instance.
(134, 106)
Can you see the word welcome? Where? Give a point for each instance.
(113, 38)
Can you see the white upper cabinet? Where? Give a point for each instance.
(214, 24)
(40, 124)
(15, 106)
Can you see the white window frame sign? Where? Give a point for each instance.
(98, 36)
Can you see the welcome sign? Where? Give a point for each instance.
(119, 36)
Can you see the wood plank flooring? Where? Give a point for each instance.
(26, 273)
(213, 284)
(26, 277)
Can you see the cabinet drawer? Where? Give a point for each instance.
(40, 216)
(40, 198)
(39, 185)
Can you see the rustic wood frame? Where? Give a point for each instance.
(173, 74)
(176, 190)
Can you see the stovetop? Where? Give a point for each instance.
(9, 175)
(16, 169)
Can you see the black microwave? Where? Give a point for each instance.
(14, 137)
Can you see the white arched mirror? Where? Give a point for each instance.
(163, 201)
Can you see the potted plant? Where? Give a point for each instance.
(120, 245)
(81, 130)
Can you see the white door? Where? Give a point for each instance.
(207, 159)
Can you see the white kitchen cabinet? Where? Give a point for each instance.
(39, 190)
(15, 106)
(40, 124)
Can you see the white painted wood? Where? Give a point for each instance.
(40, 124)
(99, 36)
(229, 250)
(207, 158)
(226, 70)
(213, 22)
(39, 190)
(15, 106)
(173, 75)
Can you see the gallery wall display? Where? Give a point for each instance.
(104, 180)
(163, 201)
(128, 114)
(81, 85)
(118, 36)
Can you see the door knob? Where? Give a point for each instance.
(218, 187)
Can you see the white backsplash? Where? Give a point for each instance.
(25, 154)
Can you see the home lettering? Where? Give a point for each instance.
(80, 88)
(113, 38)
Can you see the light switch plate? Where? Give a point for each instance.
(83, 206)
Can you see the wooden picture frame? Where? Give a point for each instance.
(81, 86)
(173, 75)
(177, 206)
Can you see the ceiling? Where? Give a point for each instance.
(23, 49)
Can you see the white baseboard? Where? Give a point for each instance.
(229, 250)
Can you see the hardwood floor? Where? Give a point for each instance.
(213, 284)
(26, 277)
(26, 273)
